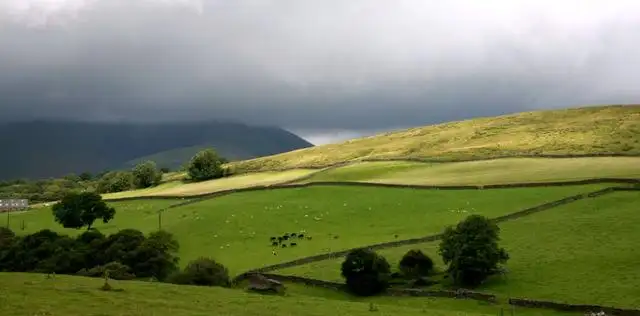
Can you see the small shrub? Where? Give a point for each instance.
(202, 271)
(205, 165)
(415, 264)
(146, 174)
(366, 272)
(115, 270)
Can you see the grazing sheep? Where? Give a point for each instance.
(284, 245)
(275, 243)
(293, 244)
(309, 237)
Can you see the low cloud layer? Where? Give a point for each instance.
(313, 66)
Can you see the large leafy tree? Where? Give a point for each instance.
(146, 174)
(205, 165)
(366, 272)
(471, 250)
(79, 209)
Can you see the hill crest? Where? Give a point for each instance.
(613, 129)
(41, 149)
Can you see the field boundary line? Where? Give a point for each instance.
(434, 237)
(437, 160)
(458, 294)
(293, 185)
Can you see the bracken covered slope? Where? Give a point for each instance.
(613, 129)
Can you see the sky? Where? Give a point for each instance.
(325, 69)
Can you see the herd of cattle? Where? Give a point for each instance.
(281, 241)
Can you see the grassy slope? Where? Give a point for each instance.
(235, 229)
(23, 294)
(177, 188)
(497, 171)
(582, 253)
(605, 129)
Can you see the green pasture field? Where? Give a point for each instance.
(26, 294)
(178, 188)
(581, 253)
(235, 229)
(139, 214)
(484, 172)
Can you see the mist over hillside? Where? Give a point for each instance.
(40, 149)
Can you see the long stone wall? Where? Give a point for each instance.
(459, 294)
(437, 160)
(573, 307)
(199, 197)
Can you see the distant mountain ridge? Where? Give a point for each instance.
(40, 149)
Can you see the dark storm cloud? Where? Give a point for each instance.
(313, 65)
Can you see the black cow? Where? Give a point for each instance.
(275, 243)
(293, 244)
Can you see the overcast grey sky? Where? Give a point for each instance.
(323, 68)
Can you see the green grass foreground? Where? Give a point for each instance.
(580, 253)
(26, 294)
(235, 229)
(485, 172)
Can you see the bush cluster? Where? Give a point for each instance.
(126, 254)
(415, 264)
(202, 271)
(366, 272)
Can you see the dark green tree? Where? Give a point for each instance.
(157, 256)
(78, 209)
(471, 251)
(146, 174)
(415, 264)
(205, 165)
(202, 271)
(366, 272)
(116, 181)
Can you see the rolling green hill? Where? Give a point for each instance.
(576, 131)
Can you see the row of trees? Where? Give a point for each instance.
(126, 255)
(470, 250)
(205, 165)
(128, 252)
